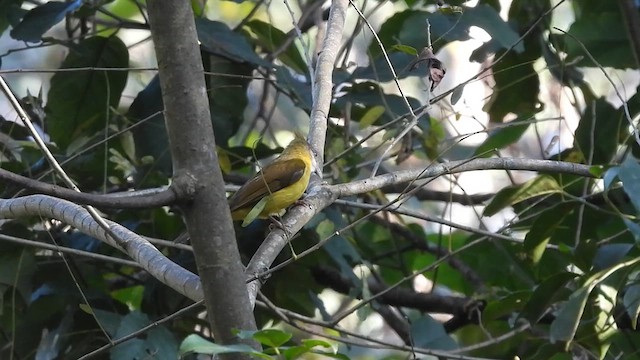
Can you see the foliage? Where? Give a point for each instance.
(567, 284)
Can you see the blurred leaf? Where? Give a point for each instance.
(430, 334)
(631, 302)
(409, 28)
(255, 211)
(271, 38)
(130, 296)
(272, 337)
(609, 255)
(457, 94)
(196, 344)
(158, 341)
(629, 174)
(11, 14)
(80, 102)
(564, 327)
(42, 18)
(503, 136)
(405, 49)
(536, 240)
(366, 95)
(151, 136)
(604, 34)
(544, 296)
(300, 91)
(517, 87)
(227, 96)
(540, 185)
(371, 116)
(218, 39)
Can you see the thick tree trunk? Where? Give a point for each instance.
(196, 170)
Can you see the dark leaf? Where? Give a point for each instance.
(216, 38)
(271, 38)
(42, 18)
(503, 136)
(79, 102)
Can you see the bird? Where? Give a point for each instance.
(277, 185)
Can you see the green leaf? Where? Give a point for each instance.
(79, 103)
(536, 240)
(17, 269)
(503, 136)
(196, 344)
(130, 296)
(540, 185)
(504, 306)
(150, 138)
(255, 211)
(405, 49)
(272, 337)
(600, 140)
(371, 116)
(564, 327)
(300, 91)
(544, 295)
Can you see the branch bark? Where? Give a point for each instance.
(122, 201)
(196, 170)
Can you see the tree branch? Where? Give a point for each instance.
(145, 254)
(196, 170)
(433, 195)
(453, 167)
(323, 92)
(130, 201)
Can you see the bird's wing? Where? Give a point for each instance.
(277, 175)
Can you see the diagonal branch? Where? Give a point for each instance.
(140, 250)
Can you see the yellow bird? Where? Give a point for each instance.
(278, 185)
